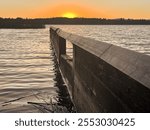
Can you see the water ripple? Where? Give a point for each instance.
(27, 69)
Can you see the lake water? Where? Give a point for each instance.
(28, 72)
(29, 76)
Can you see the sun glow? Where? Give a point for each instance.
(69, 15)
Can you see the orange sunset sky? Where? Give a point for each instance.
(136, 9)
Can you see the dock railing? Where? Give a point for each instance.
(102, 77)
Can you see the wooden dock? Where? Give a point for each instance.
(102, 77)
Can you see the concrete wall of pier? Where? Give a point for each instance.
(102, 77)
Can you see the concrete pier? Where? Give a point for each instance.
(102, 77)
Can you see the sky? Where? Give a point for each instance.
(137, 9)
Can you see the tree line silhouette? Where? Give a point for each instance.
(41, 22)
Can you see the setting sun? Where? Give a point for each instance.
(69, 15)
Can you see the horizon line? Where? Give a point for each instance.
(76, 18)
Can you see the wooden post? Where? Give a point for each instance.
(61, 47)
(58, 42)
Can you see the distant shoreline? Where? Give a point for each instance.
(20, 23)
